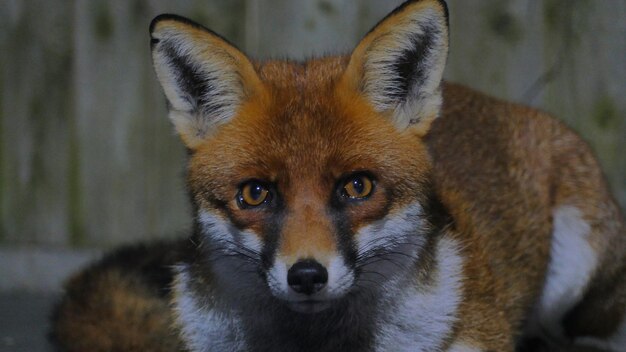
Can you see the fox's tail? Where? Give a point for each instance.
(121, 303)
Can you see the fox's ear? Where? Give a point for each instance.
(399, 64)
(205, 78)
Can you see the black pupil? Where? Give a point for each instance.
(358, 185)
(256, 191)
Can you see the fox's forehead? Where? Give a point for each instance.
(304, 76)
(305, 127)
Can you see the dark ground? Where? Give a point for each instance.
(24, 321)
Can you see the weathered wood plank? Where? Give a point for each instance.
(300, 28)
(35, 121)
(87, 156)
(131, 163)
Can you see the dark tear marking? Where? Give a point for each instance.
(343, 227)
(345, 237)
(271, 240)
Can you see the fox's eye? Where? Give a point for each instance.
(252, 194)
(358, 187)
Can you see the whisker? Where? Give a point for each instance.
(369, 252)
(375, 260)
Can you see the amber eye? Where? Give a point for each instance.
(358, 187)
(252, 194)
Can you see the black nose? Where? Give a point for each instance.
(307, 276)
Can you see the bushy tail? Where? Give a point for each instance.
(120, 303)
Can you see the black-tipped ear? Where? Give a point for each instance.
(399, 64)
(205, 78)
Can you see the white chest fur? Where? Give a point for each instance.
(204, 328)
(421, 318)
(416, 317)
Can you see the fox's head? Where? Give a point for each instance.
(313, 175)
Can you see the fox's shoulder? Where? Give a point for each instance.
(482, 129)
(468, 105)
(489, 151)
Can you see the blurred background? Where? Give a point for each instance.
(88, 159)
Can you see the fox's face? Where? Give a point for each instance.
(311, 174)
(312, 184)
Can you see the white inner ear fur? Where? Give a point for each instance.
(211, 65)
(423, 99)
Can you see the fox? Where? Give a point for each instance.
(360, 203)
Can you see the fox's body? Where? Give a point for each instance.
(340, 206)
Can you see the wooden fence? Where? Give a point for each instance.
(88, 158)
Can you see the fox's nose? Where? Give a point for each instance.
(307, 276)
